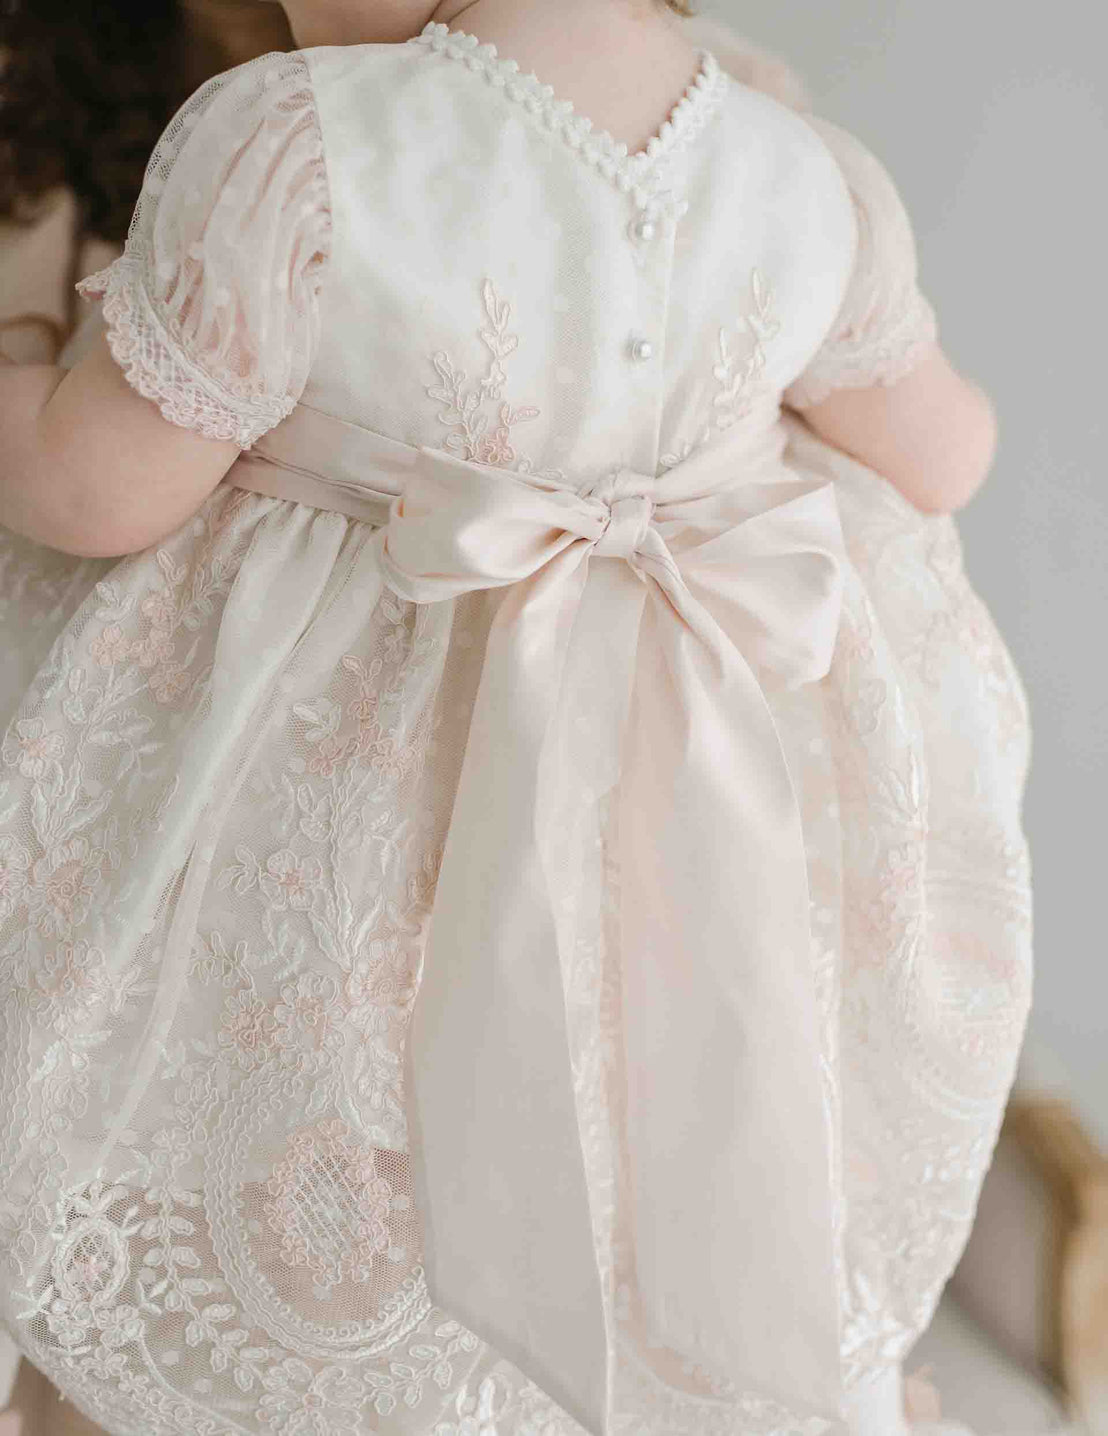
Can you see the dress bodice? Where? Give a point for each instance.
(512, 286)
(421, 241)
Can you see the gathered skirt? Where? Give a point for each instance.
(226, 778)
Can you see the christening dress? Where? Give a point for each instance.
(515, 917)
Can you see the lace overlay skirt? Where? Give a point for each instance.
(227, 773)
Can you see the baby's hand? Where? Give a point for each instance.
(90, 467)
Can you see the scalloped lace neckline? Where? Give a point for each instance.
(597, 146)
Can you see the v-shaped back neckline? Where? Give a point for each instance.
(596, 146)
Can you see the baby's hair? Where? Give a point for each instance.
(86, 88)
(682, 7)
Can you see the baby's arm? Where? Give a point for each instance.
(90, 467)
(932, 434)
(212, 315)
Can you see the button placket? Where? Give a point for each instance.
(643, 230)
(649, 236)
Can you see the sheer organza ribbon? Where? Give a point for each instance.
(629, 653)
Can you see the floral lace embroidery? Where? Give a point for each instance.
(142, 1270)
(476, 434)
(738, 378)
(40, 590)
(636, 174)
(942, 1012)
(250, 1255)
(481, 422)
(737, 373)
(158, 369)
(485, 1408)
(962, 619)
(358, 1226)
(124, 1276)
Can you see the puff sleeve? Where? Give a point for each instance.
(212, 311)
(885, 324)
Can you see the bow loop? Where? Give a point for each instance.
(460, 526)
(774, 584)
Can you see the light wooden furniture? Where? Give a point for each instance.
(1074, 1327)
(1020, 1342)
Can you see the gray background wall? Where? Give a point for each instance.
(993, 119)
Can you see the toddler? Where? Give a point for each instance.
(513, 911)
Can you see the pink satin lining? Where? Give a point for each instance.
(641, 623)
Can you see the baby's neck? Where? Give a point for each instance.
(623, 63)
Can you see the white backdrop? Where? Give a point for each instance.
(993, 118)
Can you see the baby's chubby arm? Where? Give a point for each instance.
(90, 467)
(932, 435)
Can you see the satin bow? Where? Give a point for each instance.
(627, 658)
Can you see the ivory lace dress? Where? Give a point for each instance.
(531, 661)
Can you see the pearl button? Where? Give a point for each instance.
(643, 229)
(641, 350)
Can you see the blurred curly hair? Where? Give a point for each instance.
(86, 87)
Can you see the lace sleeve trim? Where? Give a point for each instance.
(157, 369)
(194, 326)
(862, 361)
